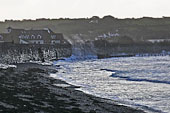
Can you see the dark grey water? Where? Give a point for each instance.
(142, 82)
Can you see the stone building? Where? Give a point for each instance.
(22, 36)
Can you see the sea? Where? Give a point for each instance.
(138, 82)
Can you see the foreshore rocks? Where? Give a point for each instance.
(30, 89)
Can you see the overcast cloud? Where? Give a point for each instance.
(32, 9)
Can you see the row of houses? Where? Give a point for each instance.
(22, 36)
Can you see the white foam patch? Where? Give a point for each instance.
(5, 66)
(47, 63)
(62, 85)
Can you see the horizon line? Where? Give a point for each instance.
(76, 18)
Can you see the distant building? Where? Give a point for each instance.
(22, 36)
(158, 40)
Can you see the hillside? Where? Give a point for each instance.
(90, 28)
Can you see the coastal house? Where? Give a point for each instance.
(22, 36)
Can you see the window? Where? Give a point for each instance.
(39, 37)
(1, 37)
(21, 36)
(25, 37)
(33, 37)
(53, 36)
(55, 41)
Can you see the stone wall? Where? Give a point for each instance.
(133, 50)
(17, 53)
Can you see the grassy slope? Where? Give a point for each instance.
(143, 28)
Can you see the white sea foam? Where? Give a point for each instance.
(62, 85)
(5, 66)
(46, 63)
(142, 82)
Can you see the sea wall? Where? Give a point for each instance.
(132, 49)
(17, 53)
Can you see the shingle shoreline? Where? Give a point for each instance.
(30, 89)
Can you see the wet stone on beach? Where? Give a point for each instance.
(28, 88)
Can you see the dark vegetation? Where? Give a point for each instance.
(89, 28)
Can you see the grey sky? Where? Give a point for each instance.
(31, 9)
